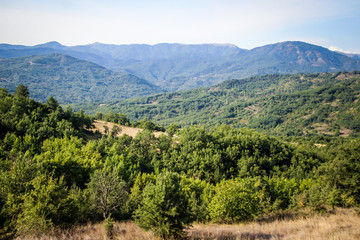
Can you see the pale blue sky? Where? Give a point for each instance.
(245, 23)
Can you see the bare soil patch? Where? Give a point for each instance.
(131, 131)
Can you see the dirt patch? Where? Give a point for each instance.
(322, 128)
(254, 109)
(308, 116)
(345, 132)
(131, 131)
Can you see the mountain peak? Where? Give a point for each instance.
(52, 44)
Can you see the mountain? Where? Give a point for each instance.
(351, 55)
(70, 80)
(184, 66)
(180, 63)
(285, 104)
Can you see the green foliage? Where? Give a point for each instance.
(195, 191)
(24, 116)
(343, 172)
(235, 200)
(70, 80)
(164, 209)
(109, 194)
(47, 203)
(136, 197)
(69, 158)
(21, 91)
(172, 129)
(282, 105)
(52, 177)
(179, 66)
(281, 190)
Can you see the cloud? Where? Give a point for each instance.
(337, 49)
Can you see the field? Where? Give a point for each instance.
(339, 224)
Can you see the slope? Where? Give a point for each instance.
(70, 80)
(180, 66)
(300, 104)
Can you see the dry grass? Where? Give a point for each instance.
(131, 131)
(122, 231)
(342, 224)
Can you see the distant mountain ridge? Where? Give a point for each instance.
(186, 66)
(70, 80)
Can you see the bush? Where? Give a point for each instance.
(164, 208)
(235, 200)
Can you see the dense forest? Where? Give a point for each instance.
(298, 105)
(70, 80)
(55, 173)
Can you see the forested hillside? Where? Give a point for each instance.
(53, 175)
(186, 66)
(70, 80)
(282, 105)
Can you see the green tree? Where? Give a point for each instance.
(108, 192)
(172, 129)
(52, 104)
(70, 158)
(115, 130)
(21, 91)
(48, 203)
(164, 209)
(234, 201)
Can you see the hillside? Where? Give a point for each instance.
(70, 80)
(180, 66)
(55, 180)
(300, 104)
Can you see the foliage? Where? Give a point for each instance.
(164, 208)
(283, 105)
(343, 172)
(109, 193)
(70, 80)
(69, 158)
(46, 204)
(179, 66)
(53, 173)
(235, 200)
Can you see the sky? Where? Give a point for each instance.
(247, 24)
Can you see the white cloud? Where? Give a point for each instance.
(337, 49)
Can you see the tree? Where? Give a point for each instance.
(108, 192)
(172, 129)
(116, 130)
(48, 203)
(21, 91)
(52, 104)
(164, 208)
(234, 201)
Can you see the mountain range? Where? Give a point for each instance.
(70, 80)
(168, 67)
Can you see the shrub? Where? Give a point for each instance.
(164, 208)
(234, 201)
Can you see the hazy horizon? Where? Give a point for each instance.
(246, 24)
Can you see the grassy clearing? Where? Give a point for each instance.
(131, 131)
(341, 224)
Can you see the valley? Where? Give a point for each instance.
(186, 66)
(176, 141)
